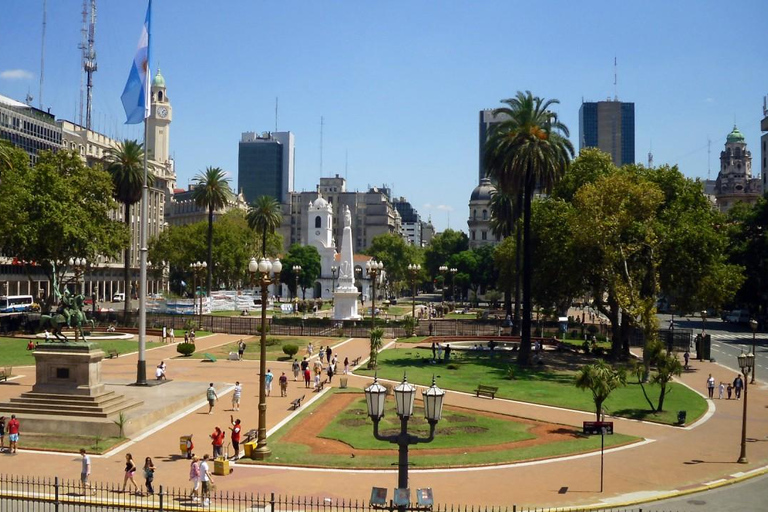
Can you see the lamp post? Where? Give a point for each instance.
(373, 268)
(198, 268)
(78, 266)
(753, 325)
(747, 365)
(375, 395)
(414, 269)
(265, 267)
(453, 285)
(296, 272)
(443, 271)
(334, 269)
(699, 350)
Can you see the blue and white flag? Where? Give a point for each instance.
(135, 97)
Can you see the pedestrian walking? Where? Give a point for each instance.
(447, 352)
(434, 348)
(235, 436)
(729, 389)
(194, 477)
(172, 336)
(189, 445)
(283, 384)
(738, 385)
(321, 354)
(307, 377)
(13, 434)
(686, 357)
(211, 395)
(206, 479)
(720, 391)
(711, 386)
(328, 352)
(330, 373)
(268, 381)
(346, 365)
(240, 350)
(236, 393)
(149, 475)
(2, 434)
(317, 382)
(439, 351)
(186, 336)
(130, 472)
(165, 333)
(85, 471)
(295, 368)
(310, 350)
(217, 442)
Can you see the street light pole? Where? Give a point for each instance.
(262, 451)
(296, 272)
(374, 268)
(334, 269)
(443, 271)
(375, 395)
(414, 269)
(753, 325)
(453, 285)
(747, 365)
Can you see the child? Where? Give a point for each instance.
(730, 390)
(190, 446)
(720, 391)
(317, 381)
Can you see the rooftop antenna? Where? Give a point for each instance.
(82, 47)
(276, 99)
(89, 64)
(42, 58)
(709, 155)
(322, 123)
(615, 80)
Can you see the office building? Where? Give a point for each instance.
(610, 127)
(487, 121)
(764, 145)
(411, 223)
(30, 129)
(265, 165)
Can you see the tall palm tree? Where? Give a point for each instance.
(505, 214)
(529, 148)
(212, 192)
(264, 216)
(125, 164)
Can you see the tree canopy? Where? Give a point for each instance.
(309, 259)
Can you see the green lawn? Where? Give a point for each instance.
(13, 351)
(534, 385)
(457, 429)
(69, 443)
(412, 339)
(274, 347)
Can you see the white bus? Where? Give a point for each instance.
(15, 303)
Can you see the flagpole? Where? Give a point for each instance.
(141, 369)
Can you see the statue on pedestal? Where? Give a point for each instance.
(69, 312)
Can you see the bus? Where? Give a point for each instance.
(15, 303)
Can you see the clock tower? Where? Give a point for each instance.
(159, 122)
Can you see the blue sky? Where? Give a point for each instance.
(400, 83)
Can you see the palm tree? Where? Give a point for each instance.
(125, 164)
(264, 216)
(505, 212)
(601, 379)
(212, 192)
(527, 149)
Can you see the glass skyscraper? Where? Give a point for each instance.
(265, 165)
(610, 127)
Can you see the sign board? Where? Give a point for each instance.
(592, 428)
(379, 496)
(402, 497)
(424, 497)
(286, 308)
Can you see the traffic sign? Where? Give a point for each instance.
(592, 428)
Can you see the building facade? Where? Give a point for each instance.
(479, 223)
(487, 121)
(734, 182)
(610, 127)
(411, 223)
(265, 165)
(28, 128)
(183, 210)
(764, 145)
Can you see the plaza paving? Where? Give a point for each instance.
(672, 460)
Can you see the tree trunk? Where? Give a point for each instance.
(127, 266)
(508, 300)
(525, 342)
(518, 275)
(598, 409)
(613, 304)
(662, 394)
(210, 251)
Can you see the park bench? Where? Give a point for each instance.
(112, 353)
(356, 361)
(486, 391)
(295, 404)
(250, 435)
(209, 357)
(5, 373)
(319, 387)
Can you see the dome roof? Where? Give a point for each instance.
(320, 202)
(735, 135)
(483, 191)
(158, 81)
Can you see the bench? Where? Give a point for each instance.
(295, 404)
(356, 361)
(5, 373)
(250, 435)
(112, 353)
(319, 387)
(209, 357)
(486, 391)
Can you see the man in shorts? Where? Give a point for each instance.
(236, 429)
(13, 433)
(240, 349)
(206, 479)
(85, 471)
(268, 381)
(211, 395)
(238, 391)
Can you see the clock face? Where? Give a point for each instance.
(162, 112)
(317, 233)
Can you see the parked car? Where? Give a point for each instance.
(738, 316)
(118, 297)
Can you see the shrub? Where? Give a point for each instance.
(290, 349)
(319, 303)
(452, 366)
(592, 329)
(509, 374)
(185, 349)
(258, 329)
(409, 324)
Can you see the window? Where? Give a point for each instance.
(473, 234)
(484, 235)
(474, 214)
(485, 216)
(318, 221)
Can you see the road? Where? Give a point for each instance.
(742, 497)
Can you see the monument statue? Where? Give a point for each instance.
(345, 295)
(69, 312)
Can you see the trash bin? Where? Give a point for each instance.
(221, 466)
(681, 415)
(183, 444)
(249, 447)
(704, 348)
(343, 382)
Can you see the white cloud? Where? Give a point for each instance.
(16, 74)
(444, 207)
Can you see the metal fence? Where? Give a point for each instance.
(23, 494)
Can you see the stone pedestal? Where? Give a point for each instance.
(345, 304)
(68, 369)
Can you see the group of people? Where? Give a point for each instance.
(326, 362)
(168, 335)
(730, 388)
(438, 351)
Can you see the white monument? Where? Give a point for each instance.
(346, 293)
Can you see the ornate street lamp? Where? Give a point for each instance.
(198, 268)
(453, 285)
(373, 268)
(747, 365)
(296, 272)
(375, 396)
(414, 269)
(264, 267)
(334, 269)
(753, 326)
(78, 266)
(443, 271)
